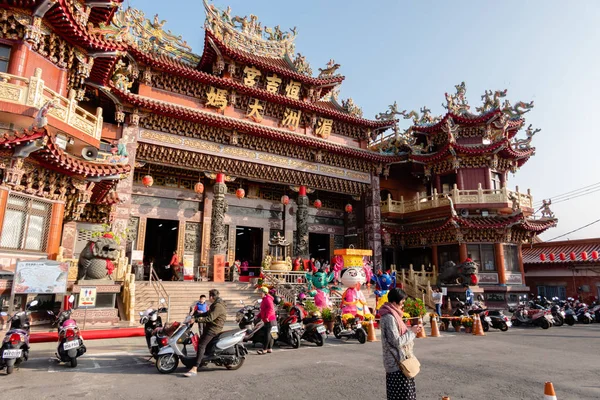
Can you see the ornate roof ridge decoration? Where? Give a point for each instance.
(131, 27)
(227, 122)
(248, 34)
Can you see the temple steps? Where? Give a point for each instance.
(183, 294)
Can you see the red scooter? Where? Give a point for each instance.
(530, 316)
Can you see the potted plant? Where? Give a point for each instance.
(467, 322)
(328, 318)
(415, 308)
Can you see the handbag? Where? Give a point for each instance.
(410, 367)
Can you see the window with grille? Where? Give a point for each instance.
(482, 254)
(552, 291)
(511, 258)
(4, 58)
(26, 224)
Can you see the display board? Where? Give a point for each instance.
(41, 276)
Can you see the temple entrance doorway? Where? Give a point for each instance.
(318, 246)
(249, 245)
(160, 243)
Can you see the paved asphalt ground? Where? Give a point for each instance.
(499, 366)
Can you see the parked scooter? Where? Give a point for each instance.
(290, 329)
(353, 330)
(15, 346)
(583, 314)
(570, 316)
(153, 327)
(70, 341)
(532, 316)
(314, 330)
(557, 312)
(226, 349)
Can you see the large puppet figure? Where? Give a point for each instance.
(320, 280)
(385, 282)
(353, 300)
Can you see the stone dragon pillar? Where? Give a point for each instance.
(302, 224)
(373, 222)
(218, 241)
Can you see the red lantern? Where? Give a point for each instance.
(199, 188)
(318, 203)
(543, 257)
(583, 255)
(240, 193)
(562, 256)
(348, 208)
(595, 255)
(285, 200)
(573, 256)
(147, 180)
(552, 257)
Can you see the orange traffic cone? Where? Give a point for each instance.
(421, 334)
(435, 327)
(549, 393)
(445, 398)
(371, 332)
(477, 326)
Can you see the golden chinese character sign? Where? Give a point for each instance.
(273, 83)
(291, 119)
(323, 128)
(292, 90)
(250, 75)
(216, 98)
(254, 110)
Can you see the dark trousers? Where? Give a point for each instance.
(202, 344)
(268, 339)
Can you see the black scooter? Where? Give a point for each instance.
(15, 346)
(354, 330)
(153, 328)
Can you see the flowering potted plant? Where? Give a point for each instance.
(467, 323)
(415, 308)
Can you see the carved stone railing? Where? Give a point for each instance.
(283, 277)
(417, 284)
(510, 198)
(33, 92)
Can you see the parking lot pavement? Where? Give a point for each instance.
(510, 365)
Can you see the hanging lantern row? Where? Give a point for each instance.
(240, 193)
(348, 208)
(285, 200)
(572, 256)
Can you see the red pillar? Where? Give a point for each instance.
(499, 258)
(18, 59)
(434, 256)
(462, 252)
(459, 180)
(521, 266)
(3, 200)
(438, 184)
(54, 234)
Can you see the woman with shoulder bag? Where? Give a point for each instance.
(401, 366)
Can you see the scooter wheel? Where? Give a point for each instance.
(319, 339)
(337, 330)
(486, 327)
(503, 327)
(295, 340)
(516, 322)
(236, 365)
(167, 363)
(361, 335)
(73, 362)
(545, 324)
(570, 321)
(9, 370)
(559, 321)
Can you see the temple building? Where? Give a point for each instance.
(109, 118)
(446, 198)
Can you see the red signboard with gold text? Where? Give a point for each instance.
(219, 268)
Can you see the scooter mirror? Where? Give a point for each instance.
(162, 301)
(71, 299)
(33, 303)
(141, 313)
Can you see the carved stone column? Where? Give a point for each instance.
(218, 240)
(373, 221)
(302, 224)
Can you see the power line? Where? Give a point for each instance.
(578, 229)
(558, 197)
(569, 198)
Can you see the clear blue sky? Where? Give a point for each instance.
(414, 51)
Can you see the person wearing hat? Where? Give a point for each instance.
(268, 316)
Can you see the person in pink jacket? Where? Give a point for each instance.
(268, 316)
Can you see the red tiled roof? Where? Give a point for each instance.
(502, 147)
(531, 254)
(16, 137)
(434, 129)
(218, 120)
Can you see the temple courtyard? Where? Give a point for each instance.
(498, 366)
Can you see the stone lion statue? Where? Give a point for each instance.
(96, 259)
(464, 274)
